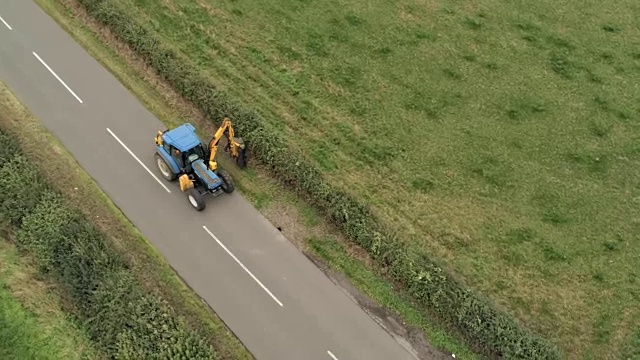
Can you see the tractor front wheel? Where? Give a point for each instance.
(196, 199)
(227, 182)
(164, 168)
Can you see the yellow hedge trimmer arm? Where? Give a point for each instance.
(233, 143)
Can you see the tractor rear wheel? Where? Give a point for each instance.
(227, 182)
(196, 199)
(164, 168)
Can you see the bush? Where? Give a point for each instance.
(41, 232)
(84, 261)
(141, 326)
(97, 284)
(166, 339)
(480, 322)
(117, 292)
(20, 189)
(8, 148)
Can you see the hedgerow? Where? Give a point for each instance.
(8, 148)
(20, 188)
(100, 289)
(496, 332)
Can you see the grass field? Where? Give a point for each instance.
(32, 323)
(500, 136)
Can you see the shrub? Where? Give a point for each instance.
(141, 326)
(8, 148)
(20, 189)
(164, 339)
(41, 232)
(84, 261)
(474, 316)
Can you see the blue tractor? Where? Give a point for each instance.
(180, 155)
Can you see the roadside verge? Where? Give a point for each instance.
(34, 326)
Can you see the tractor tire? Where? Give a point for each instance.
(164, 168)
(196, 199)
(227, 182)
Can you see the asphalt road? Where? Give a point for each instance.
(273, 298)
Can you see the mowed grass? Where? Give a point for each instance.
(32, 323)
(502, 137)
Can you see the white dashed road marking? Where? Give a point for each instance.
(332, 356)
(5, 23)
(244, 267)
(57, 77)
(138, 160)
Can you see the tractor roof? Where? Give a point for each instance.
(183, 137)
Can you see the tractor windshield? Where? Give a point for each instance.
(194, 153)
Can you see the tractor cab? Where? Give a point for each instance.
(183, 145)
(187, 158)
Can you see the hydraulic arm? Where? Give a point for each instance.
(235, 145)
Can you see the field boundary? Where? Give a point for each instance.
(497, 333)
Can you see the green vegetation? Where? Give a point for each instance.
(631, 350)
(125, 312)
(481, 323)
(33, 323)
(523, 114)
(21, 336)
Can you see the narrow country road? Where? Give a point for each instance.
(271, 296)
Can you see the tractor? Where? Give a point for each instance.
(180, 155)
